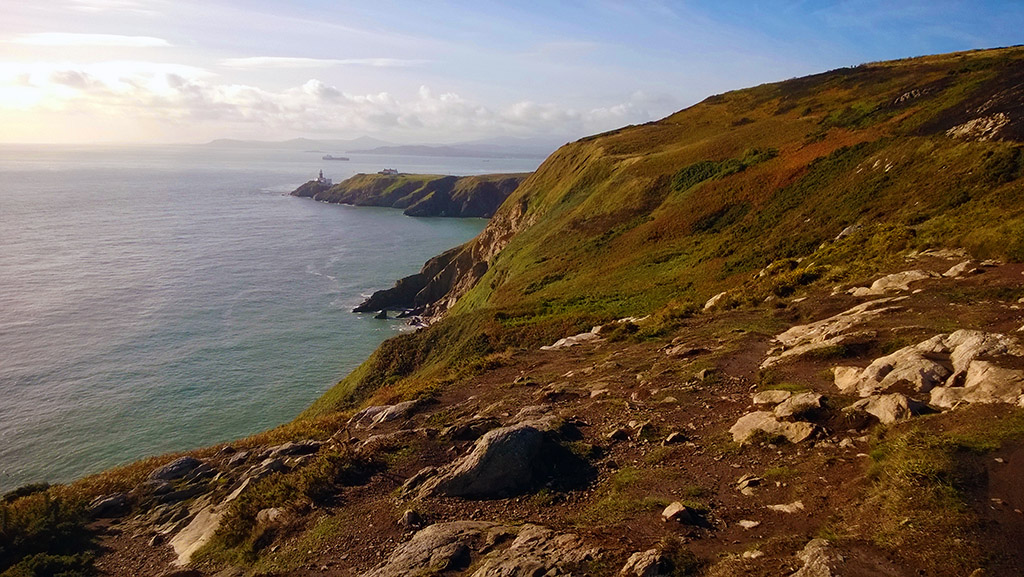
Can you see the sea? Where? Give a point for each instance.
(162, 298)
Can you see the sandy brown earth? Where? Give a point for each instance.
(614, 496)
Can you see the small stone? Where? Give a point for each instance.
(846, 443)
(753, 554)
(156, 540)
(790, 508)
(1000, 460)
(597, 393)
(747, 524)
(411, 520)
(772, 397)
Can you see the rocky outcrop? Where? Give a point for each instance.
(458, 545)
(887, 408)
(944, 362)
(409, 292)
(820, 559)
(503, 461)
(896, 282)
(832, 331)
(420, 194)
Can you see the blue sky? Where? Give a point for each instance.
(191, 71)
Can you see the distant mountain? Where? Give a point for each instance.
(458, 150)
(297, 143)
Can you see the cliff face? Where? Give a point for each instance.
(421, 194)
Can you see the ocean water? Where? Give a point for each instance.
(157, 299)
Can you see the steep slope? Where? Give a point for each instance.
(890, 156)
(420, 194)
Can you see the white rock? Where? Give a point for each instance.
(896, 282)
(713, 301)
(846, 379)
(772, 397)
(766, 421)
(886, 408)
(790, 508)
(956, 270)
(797, 404)
(748, 524)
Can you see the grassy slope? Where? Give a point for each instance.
(617, 224)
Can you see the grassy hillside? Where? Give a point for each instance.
(422, 194)
(746, 191)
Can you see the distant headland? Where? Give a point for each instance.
(417, 194)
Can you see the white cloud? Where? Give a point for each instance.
(71, 39)
(182, 96)
(258, 62)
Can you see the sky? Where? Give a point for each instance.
(186, 71)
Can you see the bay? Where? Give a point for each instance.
(162, 298)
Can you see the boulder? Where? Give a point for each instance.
(434, 549)
(968, 345)
(909, 365)
(679, 513)
(846, 379)
(766, 422)
(536, 550)
(896, 282)
(269, 516)
(110, 506)
(797, 405)
(176, 469)
(887, 408)
(984, 382)
(372, 416)
(502, 462)
(292, 449)
(770, 397)
(645, 564)
(966, 267)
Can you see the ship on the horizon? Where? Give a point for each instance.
(330, 157)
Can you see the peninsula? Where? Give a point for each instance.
(418, 194)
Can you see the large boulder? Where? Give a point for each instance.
(766, 422)
(984, 383)
(502, 462)
(887, 408)
(436, 548)
(536, 550)
(799, 404)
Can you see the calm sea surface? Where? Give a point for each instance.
(158, 299)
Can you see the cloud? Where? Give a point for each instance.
(182, 97)
(70, 39)
(260, 62)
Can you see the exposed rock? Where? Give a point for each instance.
(747, 524)
(269, 516)
(746, 483)
(713, 301)
(203, 525)
(910, 365)
(896, 282)
(381, 315)
(411, 520)
(846, 379)
(649, 563)
(673, 438)
(798, 404)
(772, 397)
(573, 341)
(434, 549)
(966, 267)
(291, 449)
(618, 434)
(680, 513)
(801, 339)
(414, 482)
(110, 506)
(502, 462)
(176, 469)
(887, 408)
(471, 429)
(788, 508)
(820, 559)
(372, 416)
(766, 422)
(536, 550)
(980, 129)
(685, 351)
(753, 554)
(984, 383)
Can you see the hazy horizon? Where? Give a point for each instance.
(154, 71)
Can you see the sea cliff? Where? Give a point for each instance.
(420, 194)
